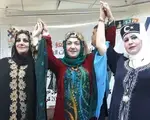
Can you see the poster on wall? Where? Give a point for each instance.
(51, 89)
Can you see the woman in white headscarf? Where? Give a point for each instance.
(130, 98)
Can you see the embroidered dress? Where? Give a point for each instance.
(17, 85)
(76, 83)
(17, 91)
(130, 98)
(70, 84)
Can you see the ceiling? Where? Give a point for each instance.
(26, 12)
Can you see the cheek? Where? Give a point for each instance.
(78, 47)
(139, 43)
(67, 47)
(26, 44)
(126, 46)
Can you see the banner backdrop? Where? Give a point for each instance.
(58, 33)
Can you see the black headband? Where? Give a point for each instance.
(130, 28)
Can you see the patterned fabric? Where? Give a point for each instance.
(18, 95)
(129, 83)
(41, 66)
(77, 95)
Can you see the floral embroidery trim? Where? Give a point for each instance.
(129, 84)
(17, 85)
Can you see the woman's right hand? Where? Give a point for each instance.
(45, 31)
(102, 15)
(36, 34)
(37, 29)
(108, 11)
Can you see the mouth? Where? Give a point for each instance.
(73, 51)
(132, 47)
(21, 47)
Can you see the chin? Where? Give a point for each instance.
(73, 56)
(133, 53)
(22, 53)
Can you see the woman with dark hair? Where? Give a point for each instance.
(17, 81)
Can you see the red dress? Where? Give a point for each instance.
(59, 69)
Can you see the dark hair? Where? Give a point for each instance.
(23, 32)
(95, 27)
(14, 51)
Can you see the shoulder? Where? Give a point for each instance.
(4, 60)
(90, 57)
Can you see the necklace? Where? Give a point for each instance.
(75, 68)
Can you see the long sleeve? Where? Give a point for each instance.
(53, 63)
(110, 33)
(112, 58)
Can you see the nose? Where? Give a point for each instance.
(73, 45)
(130, 41)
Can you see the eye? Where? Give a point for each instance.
(25, 40)
(126, 39)
(18, 40)
(69, 43)
(77, 43)
(134, 37)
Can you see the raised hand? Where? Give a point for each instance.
(36, 34)
(102, 16)
(107, 11)
(45, 28)
(37, 29)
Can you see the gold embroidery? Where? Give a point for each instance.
(17, 85)
(13, 66)
(21, 84)
(13, 95)
(13, 84)
(21, 73)
(13, 117)
(22, 96)
(13, 74)
(13, 107)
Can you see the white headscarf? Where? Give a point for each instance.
(142, 57)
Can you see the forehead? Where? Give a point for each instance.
(22, 35)
(130, 34)
(73, 40)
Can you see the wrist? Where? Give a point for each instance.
(45, 33)
(111, 18)
(101, 19)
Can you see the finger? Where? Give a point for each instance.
(36, 27)
(101, 2)
(39, 25)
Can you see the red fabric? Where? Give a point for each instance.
(111, 35)
(59, 69)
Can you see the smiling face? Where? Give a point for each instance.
(22, 44)
(73, 47)
(132, 43)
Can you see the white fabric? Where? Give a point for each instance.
(142, 57)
